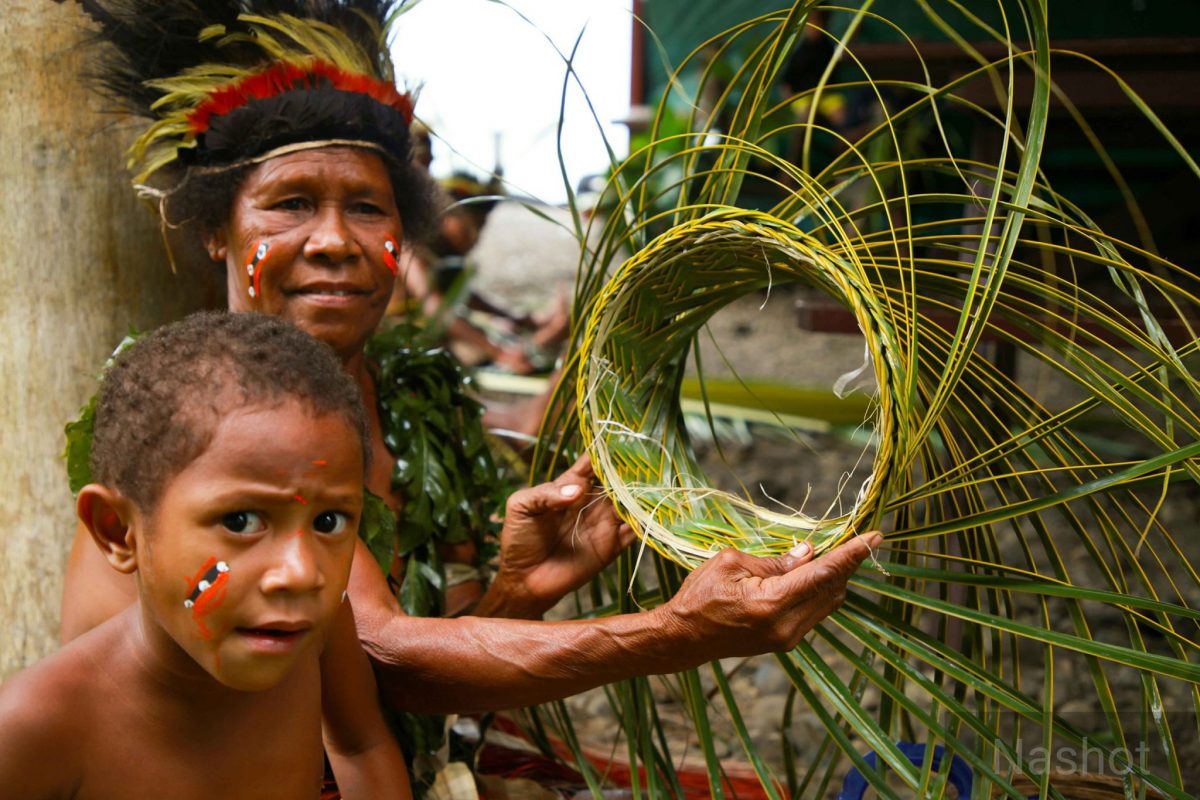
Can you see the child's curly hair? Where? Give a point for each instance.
(162, 398)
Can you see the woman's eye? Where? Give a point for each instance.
(368, 208)
(243, 522)
(330, 522)
(292, 204)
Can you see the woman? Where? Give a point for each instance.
(285, 145)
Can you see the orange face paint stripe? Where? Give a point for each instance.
(254, 267)
(194, 582)
(391, 255)
(206, 591)
(208, 602)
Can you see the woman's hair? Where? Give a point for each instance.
(162, 398)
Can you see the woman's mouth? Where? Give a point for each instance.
(333, 289)
(331, 296)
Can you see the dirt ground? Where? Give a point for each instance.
(527, 262)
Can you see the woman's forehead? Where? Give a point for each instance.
(322, 164)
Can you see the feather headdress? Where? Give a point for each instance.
(226, 82)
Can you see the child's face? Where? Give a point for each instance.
(244, 561)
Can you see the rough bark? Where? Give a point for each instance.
(81, 260)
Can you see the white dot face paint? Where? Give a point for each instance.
(391, 255)
(210, 575)
(253, 268)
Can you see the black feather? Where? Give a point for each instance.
(318, 112)
(147, 40)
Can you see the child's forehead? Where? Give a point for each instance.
(263, 457)
(270, 418)
(280, 435)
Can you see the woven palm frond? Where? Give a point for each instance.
(638, 333)
(1011, 527)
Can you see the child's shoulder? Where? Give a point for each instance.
(47, 714)
(40, 714)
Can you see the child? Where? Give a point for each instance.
(229, 457)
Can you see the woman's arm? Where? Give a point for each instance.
(734, 605)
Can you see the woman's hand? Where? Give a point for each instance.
(556, 537)
(739, 605)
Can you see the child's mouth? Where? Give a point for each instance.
(275, 637)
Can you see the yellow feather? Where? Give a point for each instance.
(282, 39)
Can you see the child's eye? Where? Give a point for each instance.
(243, 522)
(330, 522)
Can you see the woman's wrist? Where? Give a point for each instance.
(507, 596)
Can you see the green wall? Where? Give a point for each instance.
(682, 25)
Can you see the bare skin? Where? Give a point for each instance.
(325, 213)
(59, 718)
(221, 697)
(734, 605)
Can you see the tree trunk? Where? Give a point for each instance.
(81, 262)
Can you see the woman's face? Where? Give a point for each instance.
(309, 239)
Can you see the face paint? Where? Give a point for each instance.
(300, 499)
(320, 462)
(391, 255)
(206, 591)
(254, 266)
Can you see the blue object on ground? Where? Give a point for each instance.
(855, 785)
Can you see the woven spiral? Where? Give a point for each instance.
(635, 349)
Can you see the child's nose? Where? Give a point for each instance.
(296, 568)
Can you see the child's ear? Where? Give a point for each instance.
(107, 515)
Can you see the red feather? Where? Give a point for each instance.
(284, 77)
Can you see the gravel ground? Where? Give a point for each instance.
(524, 260)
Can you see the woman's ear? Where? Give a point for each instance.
(214, 243)
(108, 515)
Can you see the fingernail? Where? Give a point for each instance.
(570, 490)
(801, 550)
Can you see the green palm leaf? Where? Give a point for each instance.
(1011, 530)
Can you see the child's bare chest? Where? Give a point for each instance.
(265, 745)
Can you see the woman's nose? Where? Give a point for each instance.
(295, 567)
(330, 239)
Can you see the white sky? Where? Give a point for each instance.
(483, 71)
